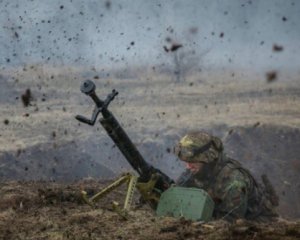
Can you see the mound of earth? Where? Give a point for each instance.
(263, 149)
(48, 162)
(47, 210)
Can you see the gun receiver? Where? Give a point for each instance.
(151, 182)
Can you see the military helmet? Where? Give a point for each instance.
(199, 147)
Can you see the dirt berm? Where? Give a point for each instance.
(53, 211)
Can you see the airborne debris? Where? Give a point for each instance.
(170, 29)
(271, 76)
(108, 4)
(26, 98)
(277, 48)
(256, 124)
(19, 151)
(6, 121)
(53, 134)
(175, 47)
(168, 39)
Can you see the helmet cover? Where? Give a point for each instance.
(198, 147)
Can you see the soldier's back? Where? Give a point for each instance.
(258, 205)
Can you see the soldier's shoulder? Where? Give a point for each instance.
(229, 171)
(230, 161)
(232, 169)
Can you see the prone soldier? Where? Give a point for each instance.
(233, 189)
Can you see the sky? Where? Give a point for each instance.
(233, 33)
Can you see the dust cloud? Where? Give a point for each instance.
(230, 68)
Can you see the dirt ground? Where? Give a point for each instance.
(43, 210)
(46, 155)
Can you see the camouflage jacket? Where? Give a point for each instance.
(235, 192)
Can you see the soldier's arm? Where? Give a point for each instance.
(233, 196)
(185, 179)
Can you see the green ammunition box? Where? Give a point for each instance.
(190, 203)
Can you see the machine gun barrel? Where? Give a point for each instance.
(120, 138)
(123, 142)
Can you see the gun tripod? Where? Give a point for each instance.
(130, 180)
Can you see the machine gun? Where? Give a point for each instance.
(151, 181)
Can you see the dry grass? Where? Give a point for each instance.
(153, 102)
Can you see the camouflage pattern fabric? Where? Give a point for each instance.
(235, 192)
(198, 147)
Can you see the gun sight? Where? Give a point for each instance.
(88, 87)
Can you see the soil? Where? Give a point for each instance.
(45, 210)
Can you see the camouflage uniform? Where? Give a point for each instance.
(235, 192)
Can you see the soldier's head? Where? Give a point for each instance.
(198, 149)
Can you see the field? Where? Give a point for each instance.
(42, 143)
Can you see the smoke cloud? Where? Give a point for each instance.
(122, 33)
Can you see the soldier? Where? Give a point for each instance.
(234, 190)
